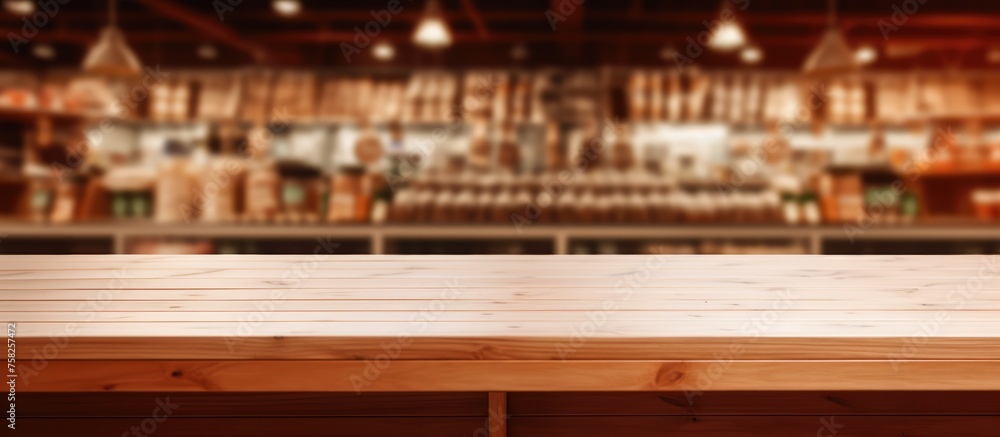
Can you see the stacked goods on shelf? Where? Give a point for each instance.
(255, 96)
(219, 98)
(986, 203)
(262, 195)
(294, 95)
(429, 97)
(176, 181)
(725, 248)
(847, 104)
(843, 200)
(19, 91)
(170, 101)
(593, 198)
(218, 197)
(895, 98)
(735, 98)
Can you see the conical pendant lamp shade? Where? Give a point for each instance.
(432, 31)
(111, 55)
(831, 56)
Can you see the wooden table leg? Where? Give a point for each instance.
(498, 414)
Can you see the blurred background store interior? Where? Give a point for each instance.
(511, 127)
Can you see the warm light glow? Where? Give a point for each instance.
(727, 36)
(287, 7)
(207, 51)
(519, 52)
(43, 51)
(752, 55)
(993, 55)
(668, 53)
(865, 55)
(19, 7)
(432, 31)
(383, 51)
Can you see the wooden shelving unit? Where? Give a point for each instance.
(561, 239)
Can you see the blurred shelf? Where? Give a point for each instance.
(32, 115)
(560, 237)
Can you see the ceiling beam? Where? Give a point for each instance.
(81, 37)
(209, 27)
(786, 19)
(476, 17)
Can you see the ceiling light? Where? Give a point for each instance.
(668, 53)
(727, 35)
(432, 31)
(207, 51)
(752, 55)
(993, 55)
(383, 51)
(287, 8)
(43, 51)
(519, 52)
(19, 7)
(865, 55)
(832, 55)
(111, 55)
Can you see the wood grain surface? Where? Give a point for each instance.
(600, 323)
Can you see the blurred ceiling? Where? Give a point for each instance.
(954, 33)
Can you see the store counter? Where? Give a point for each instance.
(518, 345)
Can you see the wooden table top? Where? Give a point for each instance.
(654, 321)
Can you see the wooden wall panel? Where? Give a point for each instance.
(756, 426)
(259, 427)
(139, 404)
(754, 403)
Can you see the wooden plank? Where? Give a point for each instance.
(509, 375)
(503, 315)
(580, 330)
(612, 282)
(954, 295)
(137, 404)
(751, 426)
(527, 262)
(258, 426)
(239, 344)
(410, 305)
(754, 403)
(496, 271)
